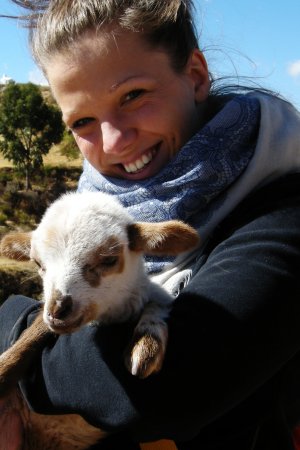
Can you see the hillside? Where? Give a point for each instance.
(22, 210)
(18, 278)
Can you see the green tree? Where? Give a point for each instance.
(28, 127)
(68, 146)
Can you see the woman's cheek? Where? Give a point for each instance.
(87, 145)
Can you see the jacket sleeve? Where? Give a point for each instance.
(233, 330)
(14, 315)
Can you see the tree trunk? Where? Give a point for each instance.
(27, 181)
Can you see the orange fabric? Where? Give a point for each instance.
(296, 436)
(159, 445)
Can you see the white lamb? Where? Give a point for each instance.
(90, 256)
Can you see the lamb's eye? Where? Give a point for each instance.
(109, 261)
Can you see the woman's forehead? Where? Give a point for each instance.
(105, 60)
(103, 48)
(103, 43)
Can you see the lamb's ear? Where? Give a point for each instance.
(162, 238)
(16, 246)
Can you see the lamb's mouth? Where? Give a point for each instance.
(65, 326)
(141, 162)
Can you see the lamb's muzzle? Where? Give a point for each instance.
(61, 307)
(59, 314)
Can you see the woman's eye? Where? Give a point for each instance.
(81, 123)
(132, 95)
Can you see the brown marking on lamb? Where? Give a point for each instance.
(91, 311)
(148, 349)
(60, 305)
(16, 249)
(42, 432)
(105, 260)
(163, 238)
(11, 425)
(148, 345)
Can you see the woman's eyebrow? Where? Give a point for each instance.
(119, 84)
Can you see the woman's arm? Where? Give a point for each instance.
(231, 331)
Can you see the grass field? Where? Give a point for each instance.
(4, 162)
(6, 263)
(19, 278)
(54, 159)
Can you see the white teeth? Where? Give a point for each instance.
(138, 164)
(132, 167)
(146, 158)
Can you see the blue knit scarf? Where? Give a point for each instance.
(189, 187)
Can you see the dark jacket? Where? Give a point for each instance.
(231, 378)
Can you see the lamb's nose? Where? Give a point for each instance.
(61, 308)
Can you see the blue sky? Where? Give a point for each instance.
(255, 38)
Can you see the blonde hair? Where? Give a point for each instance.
(57, 24)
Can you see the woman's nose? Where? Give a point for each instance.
(115, 139)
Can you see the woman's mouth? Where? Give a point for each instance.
(141, 162)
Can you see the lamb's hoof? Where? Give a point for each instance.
(145, 355)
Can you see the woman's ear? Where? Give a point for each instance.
(197, 71)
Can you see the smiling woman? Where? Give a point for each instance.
(127, 120)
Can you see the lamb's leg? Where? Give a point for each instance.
(15, 361)
(11, 425)
(147, 349)
(23, 429)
